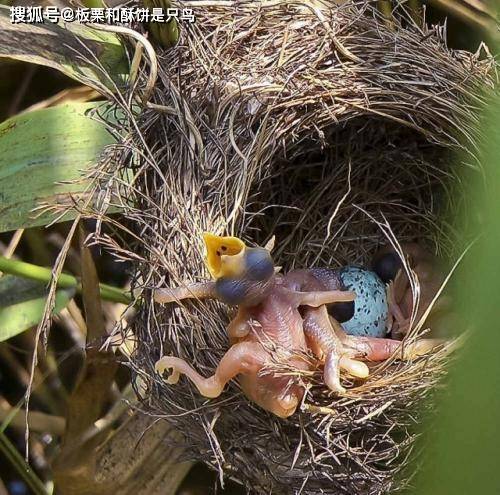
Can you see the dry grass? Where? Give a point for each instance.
(301, 121)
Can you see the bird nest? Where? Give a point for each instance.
(332, 130)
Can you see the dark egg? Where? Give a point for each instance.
(342, 311)
(386, 266)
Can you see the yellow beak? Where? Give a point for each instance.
(225, 255)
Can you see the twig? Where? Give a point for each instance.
(3, 488)
(21, 91)
(312, 409)
(43, 394)
(374, 413)
(37, 421)
(153, 60)
(13, 243)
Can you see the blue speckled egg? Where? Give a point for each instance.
(370, 305)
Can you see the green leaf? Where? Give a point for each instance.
(22, 304)
(95, 58)
(463, 450)
(41, 149)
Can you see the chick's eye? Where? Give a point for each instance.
(259, 264)
(224, 248)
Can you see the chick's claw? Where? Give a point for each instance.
(354, 367)
(372, 348)
(325, 343)
(377, 349)
(240, 326)
(331, 373)
(320, 298)
(420, 348)
(168, 363)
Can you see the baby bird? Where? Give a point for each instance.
(278, 317)
(268, 323)
(409, 305)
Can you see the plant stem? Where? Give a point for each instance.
(38, 421)
(23, 469)
(43, 274)
(167, 34)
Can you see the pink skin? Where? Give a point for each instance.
(328, 341)
(292, 319)
(258, 334)
(400, 295)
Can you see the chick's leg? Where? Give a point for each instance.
(399, 291)
(201, 290)
(239, 326)
(245, 357)
(375, 349)
(326, 344)
(319, 298)
(378, 349)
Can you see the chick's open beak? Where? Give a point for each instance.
(225, 255)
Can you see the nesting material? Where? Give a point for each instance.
(333, 131)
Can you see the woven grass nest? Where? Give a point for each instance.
(332, 130)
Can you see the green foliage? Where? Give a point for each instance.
(464, 449)
(166, 34)
(41, 151)
(95, 58)
(22, 304)
(44, 275)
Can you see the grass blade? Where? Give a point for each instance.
(24, 470)
(463, 452)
